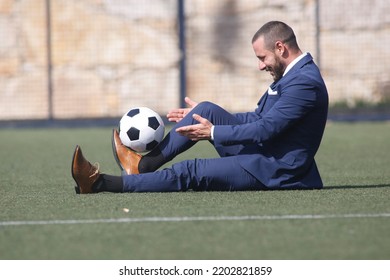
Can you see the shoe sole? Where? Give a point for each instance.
(76, 188)
(114, 152)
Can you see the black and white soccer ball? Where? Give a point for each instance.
(141, 129)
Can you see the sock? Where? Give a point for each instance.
(108, 183)
(151, 161)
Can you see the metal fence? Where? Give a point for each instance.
(95, 59)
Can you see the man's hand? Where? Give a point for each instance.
(177, 115)
(196, 132)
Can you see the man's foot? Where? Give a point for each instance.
(83, 172)
(126, 158)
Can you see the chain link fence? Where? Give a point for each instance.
(98, 58)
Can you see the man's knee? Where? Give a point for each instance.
(206, 107)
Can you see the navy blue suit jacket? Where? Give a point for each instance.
(286, 128)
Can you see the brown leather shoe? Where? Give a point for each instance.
(126, 158)
(83, 172)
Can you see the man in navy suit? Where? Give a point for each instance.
(272, 147)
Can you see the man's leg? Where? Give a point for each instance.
(219, 174)
(174, 144)
(222, 174)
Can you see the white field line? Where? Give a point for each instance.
(194, 219)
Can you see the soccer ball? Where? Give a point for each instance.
(141, 129)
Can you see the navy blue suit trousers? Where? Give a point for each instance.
(217, 174)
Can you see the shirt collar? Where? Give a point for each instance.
(295, 61)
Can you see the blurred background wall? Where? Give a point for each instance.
(97, 58)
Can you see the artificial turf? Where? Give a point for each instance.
(36, 185)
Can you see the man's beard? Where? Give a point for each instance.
(277, 70)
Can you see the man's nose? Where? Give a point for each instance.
(262, 66)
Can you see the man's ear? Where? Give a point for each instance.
(280, 48)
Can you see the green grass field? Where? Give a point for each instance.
(348, 219)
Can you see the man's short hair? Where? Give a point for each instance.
(274, 31)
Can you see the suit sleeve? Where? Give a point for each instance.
(247, 117)
(294, 102)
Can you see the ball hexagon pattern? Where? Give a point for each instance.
(141, 129)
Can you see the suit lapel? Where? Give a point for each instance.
(260, 104)
(263, 99)
(274, 86)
